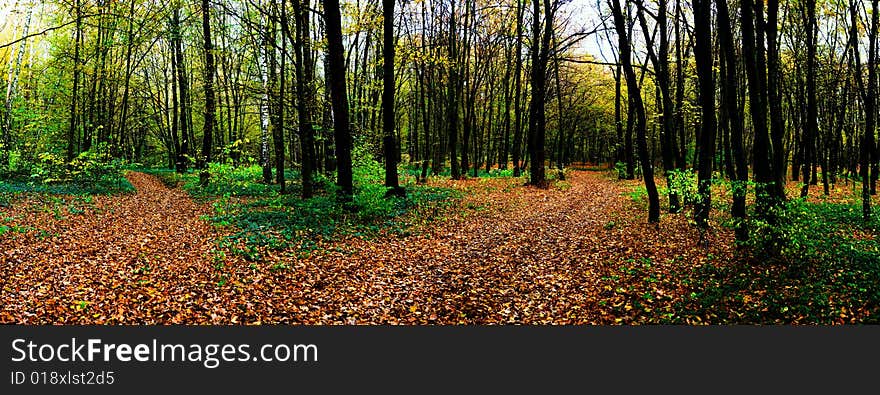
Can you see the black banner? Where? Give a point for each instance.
(178, 359)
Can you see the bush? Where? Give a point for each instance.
(621, 169)
(92, 171)
(684, 183)
(227, 179)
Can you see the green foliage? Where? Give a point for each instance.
(265, 221)
(287, 222)
(827, 270)
(638, 194)
(91, 172)
(684, 184)
(227, 179)
(621, 169)
(415, 170)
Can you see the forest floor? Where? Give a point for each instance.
(579, 252)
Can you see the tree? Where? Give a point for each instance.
(537, 115)
(388, 87)
(305, 95)
(638, 110)
(755, 66)
(453, 92)
(339, 96)
(704, 61)
(74, 97)
(734, 114)
(517, 87)
(184, 119)
(208, 127)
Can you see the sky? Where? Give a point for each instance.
(585, 15)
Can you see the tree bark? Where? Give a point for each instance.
(704, 62)
(339, 97)
(388, 87)
(638, 109)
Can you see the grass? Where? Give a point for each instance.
(286, 222)
(16, 186)
(827, 271)
(261, 221)
(824, 270)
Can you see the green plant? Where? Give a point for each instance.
(621, 169)
(684, 184)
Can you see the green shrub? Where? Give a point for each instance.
(621, 169)
(226, 179)
(91, 172)
(684, 183)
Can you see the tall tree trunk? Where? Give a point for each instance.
(210, 107)
(453, 94)
(871, 155)
(11, 87)
(704, 62)
(870, 103)
(276, 112)
(638, 109)
(339, 97)
(175, 106)
(812, 128)
(537, 116)
(755, 64)
(267, 77)
(517, 76)
(74, 96)
(735, 117)
(304, 90)
(129, 47)
(388, 87)
(184, 121)
(777, 124)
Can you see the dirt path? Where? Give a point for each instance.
(109, 263)
(534, 256)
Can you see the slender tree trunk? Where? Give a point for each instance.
(74, 96)
(11, 87)
(453, 94)
(339, 97)
(704, 61)
(210, 107)
(753, 51)
(812, 128)
(388, 120)
(777, 124)
(183, 94)
(517, 86)
(537, 115)
(638, 109)
(267, 77)
(304, 90)
(735, 117)
(870, 104)
(277, 108)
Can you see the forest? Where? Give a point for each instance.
(439, 162)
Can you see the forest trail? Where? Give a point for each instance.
(528, 256)
(110, 262)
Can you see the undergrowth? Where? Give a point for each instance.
(261, 220)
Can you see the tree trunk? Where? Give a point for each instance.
(210, 107)
(71, 130)
(517, 75)
(388, 87)
(735, 118)
(638, 109)
(339, 97)
(704, 62)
